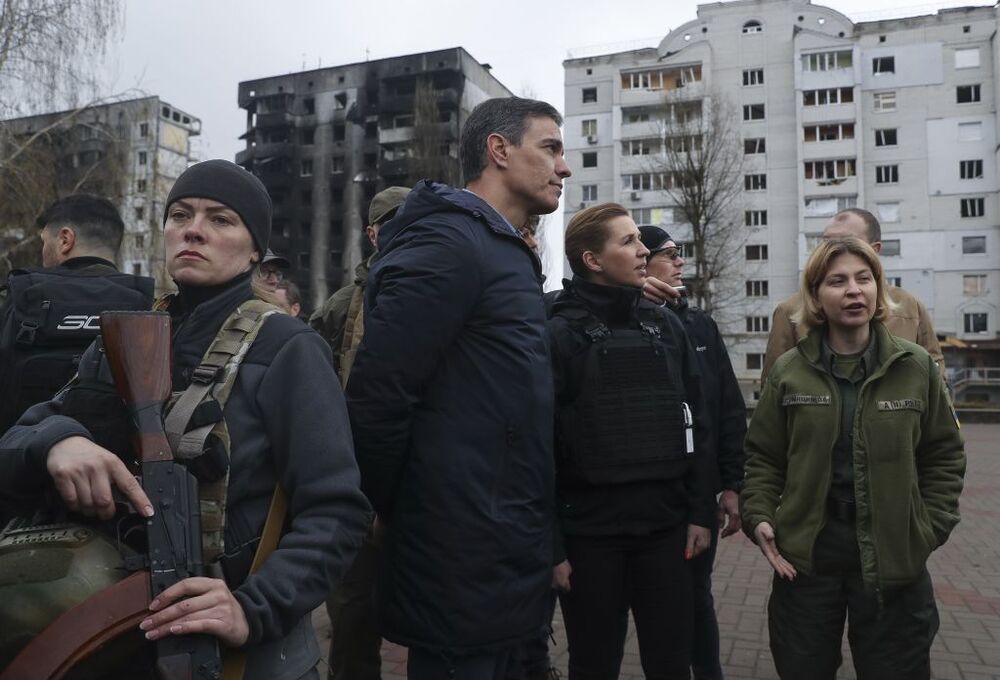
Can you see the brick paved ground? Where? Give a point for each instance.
(966, 575)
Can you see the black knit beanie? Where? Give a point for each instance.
(654, 238)
(228, 183)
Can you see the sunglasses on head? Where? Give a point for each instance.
(670, 253)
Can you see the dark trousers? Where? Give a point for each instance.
(533, 659)
(705, 650)
(806, 617)
(647, 574)
(356, 643)
(426, 665)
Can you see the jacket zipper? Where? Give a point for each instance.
(868, 478)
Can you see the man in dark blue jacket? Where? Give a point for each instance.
(451, 402)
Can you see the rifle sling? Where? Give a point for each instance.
(234, 661)
(213, 379)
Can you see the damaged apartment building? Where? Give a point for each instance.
(325, 141)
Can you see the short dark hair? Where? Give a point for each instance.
(872, 226)
(95, 220)
(505, 116)
(294, 295)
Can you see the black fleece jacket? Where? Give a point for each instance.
(725, 410)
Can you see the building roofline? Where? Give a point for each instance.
(485, 66)
(603, 50)
(942, 13)
(100, 105)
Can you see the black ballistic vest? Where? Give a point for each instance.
(628, 422)
(52, 316)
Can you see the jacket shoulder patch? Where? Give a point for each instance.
(901, 405)
(806, 399)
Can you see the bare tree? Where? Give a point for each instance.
(81, 150)
(50, 51)
(700, 168)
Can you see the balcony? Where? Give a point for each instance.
(639, 164)
(840, 148)
(642, 97)
(251, 100)
(963, 378)
(829, 113)
(821, 80)
(404, 103)
(260, 151)
(277, 119)
(447, 131)
(848, 186)
(652, 128)
(394, 168)
(643, 198)
(395, 135)
(275, 177)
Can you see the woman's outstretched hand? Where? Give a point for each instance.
(764, 533)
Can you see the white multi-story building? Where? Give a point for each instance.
(896, 116)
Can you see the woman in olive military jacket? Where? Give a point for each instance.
(854, 469)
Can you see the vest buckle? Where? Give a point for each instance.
(206, 374)
(598, 332)
(26, 333)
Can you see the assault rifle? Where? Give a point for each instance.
(137, 346)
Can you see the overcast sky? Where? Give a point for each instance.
(193, 53)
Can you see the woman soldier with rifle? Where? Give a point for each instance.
(257, 411)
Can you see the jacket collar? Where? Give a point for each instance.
(361, 271)
(611, 304)
(429, 198)
(87, 261)
(888, 346)
(197, 318)
(868, 356)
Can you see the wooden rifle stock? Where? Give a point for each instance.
(137, 345)
(79, 632)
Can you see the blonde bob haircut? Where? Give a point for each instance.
(588, 230)
(810, 312)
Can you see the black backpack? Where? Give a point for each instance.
(51, 317)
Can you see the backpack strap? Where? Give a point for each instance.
(213, 380)
(354, 329)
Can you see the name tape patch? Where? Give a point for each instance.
(901, 405)
(806, 399)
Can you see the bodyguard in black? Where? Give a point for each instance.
(49, 315)
(634, 497)
(725, 416)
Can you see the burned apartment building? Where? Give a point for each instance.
(325, 141)
(128, 151)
